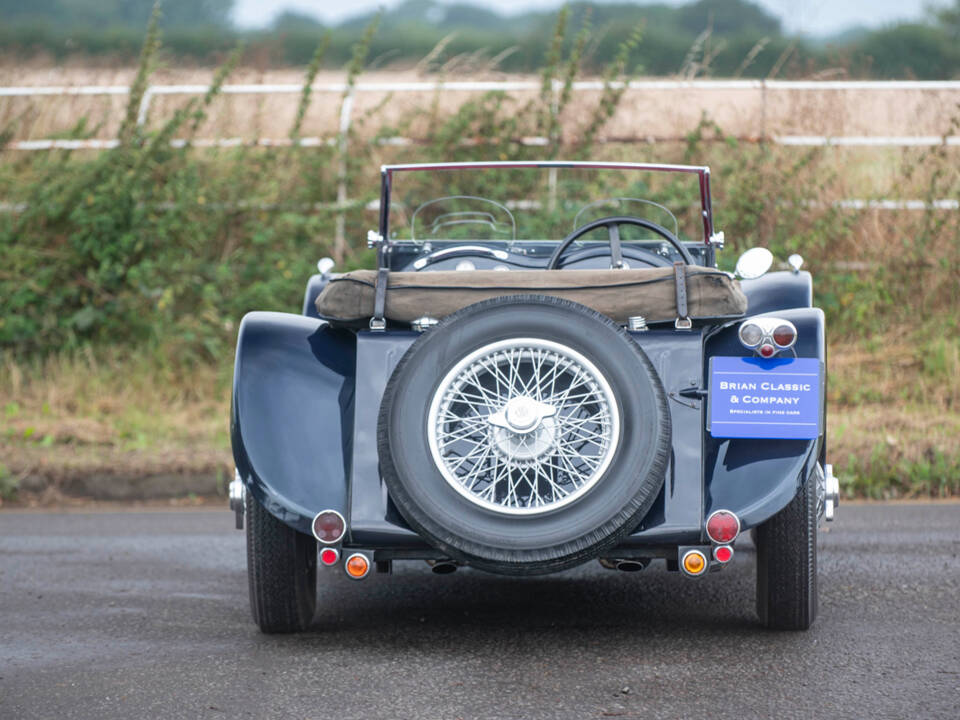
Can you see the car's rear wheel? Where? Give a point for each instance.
(787, 564)
(524, 434)
(282, 572)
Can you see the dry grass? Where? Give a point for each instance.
(117, 415)
(129, 414)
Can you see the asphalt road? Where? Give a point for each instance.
(124, 615)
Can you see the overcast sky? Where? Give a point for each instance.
(816, 17)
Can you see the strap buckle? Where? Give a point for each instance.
(683, 318)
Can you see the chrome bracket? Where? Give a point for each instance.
(238, 495)
(373, 238)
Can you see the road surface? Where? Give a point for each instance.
(144, 614)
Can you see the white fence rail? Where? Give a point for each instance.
(764, 86)
(772, 86)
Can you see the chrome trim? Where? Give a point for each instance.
(423, 323)
(373, 239)
(637, 323)
(324, 266)
(350, 557)
(768, 326)
(831, 494)
(314, 532)
(237, 492)
(707, 523)
(459, 249)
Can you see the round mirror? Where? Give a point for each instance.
(796, 262)
(754, 263)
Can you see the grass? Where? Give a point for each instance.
(115, 412)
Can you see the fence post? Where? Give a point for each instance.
(339, 238)
(144, 105)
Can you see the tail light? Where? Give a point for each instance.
(723, 527)
(357, 566)
(329, 527)
(329, 556)
(767, 335)
(723, 554)
(694, 563)
(785, 335)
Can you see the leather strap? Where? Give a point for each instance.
(683, 318)
(616, 253)
(377, 322)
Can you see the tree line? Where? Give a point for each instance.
(721, 38)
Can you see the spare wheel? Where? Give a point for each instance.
(524, 434)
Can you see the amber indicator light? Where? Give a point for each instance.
(694, 562)
(357, 566)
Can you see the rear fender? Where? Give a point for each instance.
(777, 291)
(292, 414)
(758, 478)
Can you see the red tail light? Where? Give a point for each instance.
(329, 556)
(329, 527)
(723, 527)
(785, 335)
(723, 554)
(767, 335)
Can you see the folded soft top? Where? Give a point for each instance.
(619, 294)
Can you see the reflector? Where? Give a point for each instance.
(329, 556)
(329, 526)
(767, 350)
(723, 553)
(723, 527)
(750, 334)
(784, 335)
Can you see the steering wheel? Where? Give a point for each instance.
(613, 224)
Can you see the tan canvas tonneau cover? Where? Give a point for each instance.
(619, 294)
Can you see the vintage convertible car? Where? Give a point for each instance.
(530, 379)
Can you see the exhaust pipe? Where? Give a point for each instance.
(624, 564)
(442, 567)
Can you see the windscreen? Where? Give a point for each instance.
(541, 204)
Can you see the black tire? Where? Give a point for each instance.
(282, 572)
(545, 542)
(787, 564)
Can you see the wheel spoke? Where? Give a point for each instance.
(523, 426)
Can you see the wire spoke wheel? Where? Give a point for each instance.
(523, 426)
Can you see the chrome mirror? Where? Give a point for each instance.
(796, 262)
(325, 265)
(754, 263)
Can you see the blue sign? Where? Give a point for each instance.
(757, 398)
